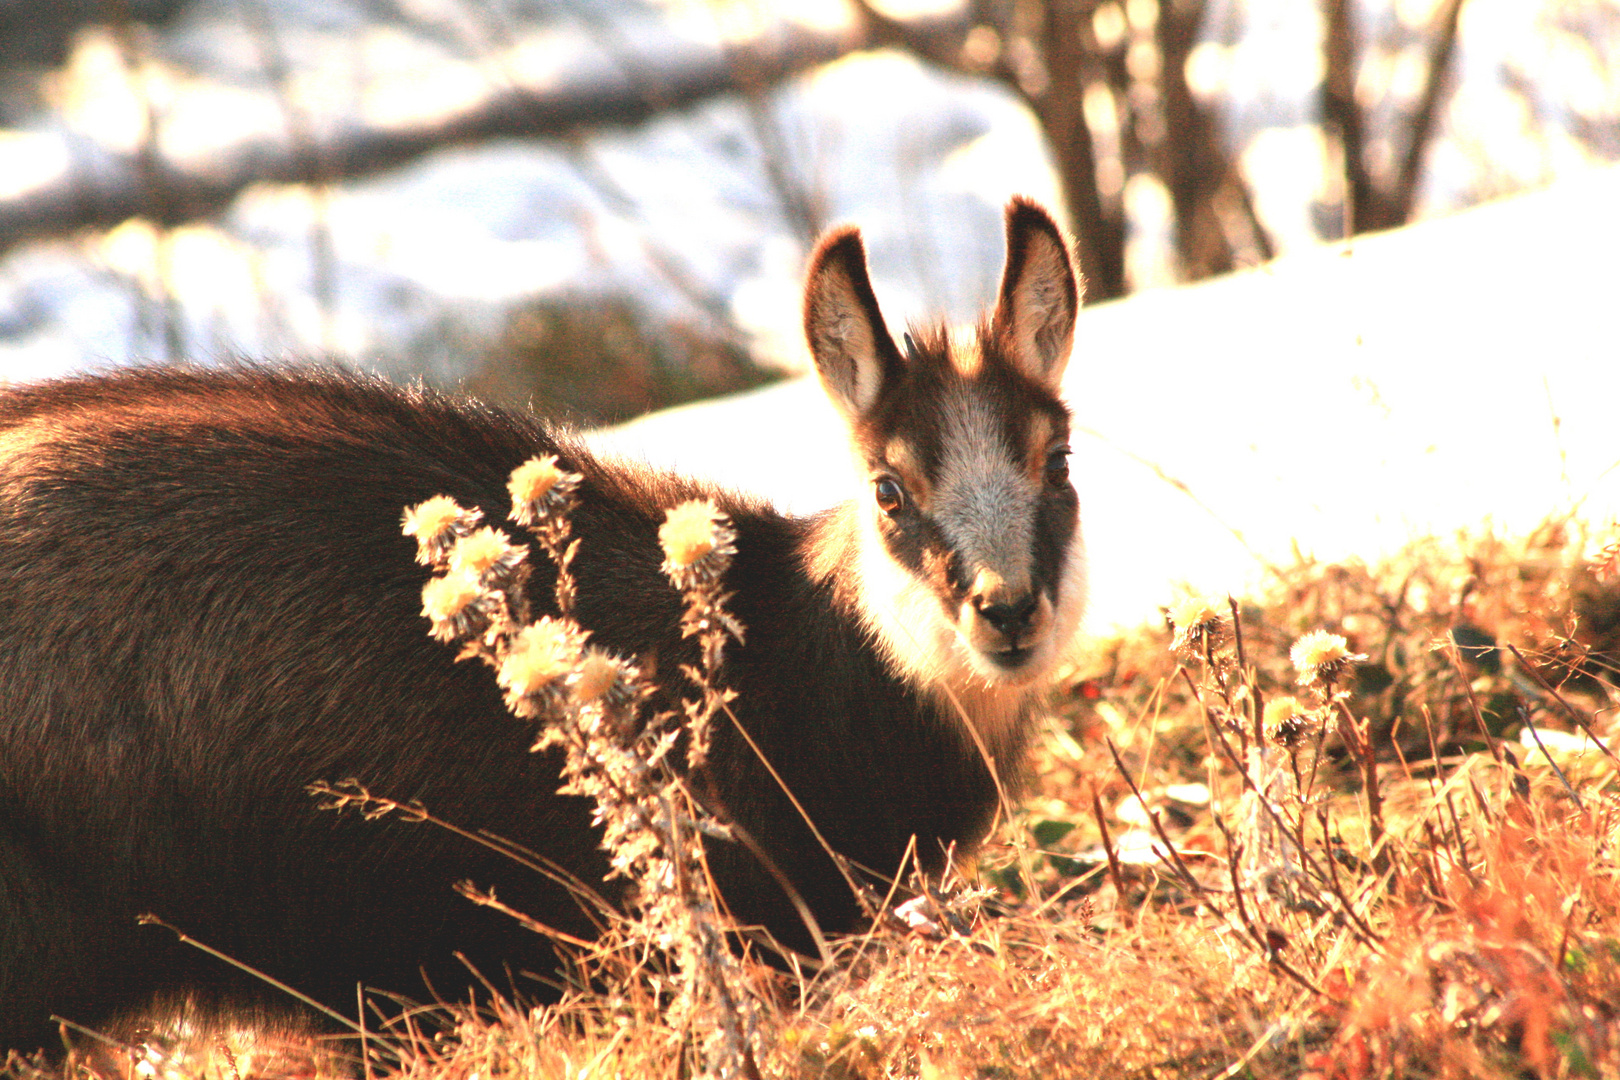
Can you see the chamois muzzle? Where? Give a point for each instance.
(1006, 626)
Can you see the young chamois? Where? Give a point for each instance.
(206, 604)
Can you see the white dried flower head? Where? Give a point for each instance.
(597, 673)
(456, 606)
(437, 523)
(1200, 624)
(487, 555)
(605, 678)
(1287, 722)
(1604, 564)
(537, 665)
(541, 489)
(698, 543)
(1321, 657)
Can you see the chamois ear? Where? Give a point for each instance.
(1035, 311)
(854, 354)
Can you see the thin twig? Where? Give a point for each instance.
(1271, 811)
(1114, 869)
(1574, 713)
(187, 939)
(1158, 827)
(1529, 725)
(1271, 954)
(1468, 692)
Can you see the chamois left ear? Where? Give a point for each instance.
(854, 354)
(1034, 319)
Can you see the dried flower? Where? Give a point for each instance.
(597, 673)
(1287, 722)
(538, 662)
(541, 489)
(487, 556)
(608, 683)
(698, 543)
(1199, 625)
(438, 523)
(1321, 657)
(456, 606)
(1605, 563)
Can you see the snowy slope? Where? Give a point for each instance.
(1452, 373)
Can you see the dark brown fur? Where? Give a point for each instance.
(206, 604)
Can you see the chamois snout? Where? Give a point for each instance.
(1001, 622)
(1005, 625)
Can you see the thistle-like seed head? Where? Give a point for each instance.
(456, 606)
(1321, 657)
(538, 662)
(698, 543)
(1605, 562)
(608, 683)
(1200, 625)
(597, 673)
(437, 523)
(486, 555)
(541, 489)
(1287, 722)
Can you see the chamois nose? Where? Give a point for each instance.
(1010, 617)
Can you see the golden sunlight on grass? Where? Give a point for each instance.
(1403, 865)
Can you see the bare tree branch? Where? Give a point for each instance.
(1100, 224)
(1192, 161)
(1341, 116)
(105, 188)
(1060, 34)
(1369, 203)
(1442, 48)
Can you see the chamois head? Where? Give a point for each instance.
(970, 567)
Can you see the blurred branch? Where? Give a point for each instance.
(1049, 54)
(261, 27)
(1340, 113)
(106, 187)
(1055, 93)
(1372, 202)
(1099, 223)
(1193, 163)
(159, 310)
(1442, 48)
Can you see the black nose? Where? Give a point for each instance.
(1010, 618)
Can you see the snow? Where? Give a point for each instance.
(1453, 374)
(1341, 398)
(682, 213)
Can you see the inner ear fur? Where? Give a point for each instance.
(854, 354)
(1040, 296)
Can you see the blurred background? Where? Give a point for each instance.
(603, 206)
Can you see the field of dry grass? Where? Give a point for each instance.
(1247, 850)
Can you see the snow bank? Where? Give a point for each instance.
(1455, 373)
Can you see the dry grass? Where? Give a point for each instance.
(1423, 891)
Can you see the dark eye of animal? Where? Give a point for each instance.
(207, 604)
(1057, 467)
(890, 495)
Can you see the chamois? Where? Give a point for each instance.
(206, 604)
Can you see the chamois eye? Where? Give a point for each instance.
(1057, 467)
(890, 495)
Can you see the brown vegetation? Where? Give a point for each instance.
(1147, 914)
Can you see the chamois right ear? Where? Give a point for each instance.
(854, 354)
(1035, 311)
